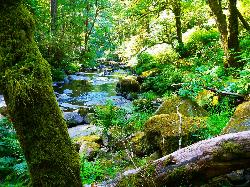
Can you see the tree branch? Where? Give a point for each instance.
(243, 21)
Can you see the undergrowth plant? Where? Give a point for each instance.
(13, 167)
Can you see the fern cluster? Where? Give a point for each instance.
(13, 167)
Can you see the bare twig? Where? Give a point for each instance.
(180, 125)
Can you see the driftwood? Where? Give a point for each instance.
(193, 164)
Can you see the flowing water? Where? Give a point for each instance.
(85, 90)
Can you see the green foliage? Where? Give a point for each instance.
(203, 47)
(201, 38)
(203, 77)
(162, 83)
(109, 115)
(96, 171)
(145, 62)
(215, 124)
(145, 102)
(57, 74)
(13, 167)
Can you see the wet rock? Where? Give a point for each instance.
(67, 91)
(63, 97)
(240, 121)
(68, 106)
(236, 177)
(89, 118)
(66, 80)
(73, 118)
(2, 102)
(84, 111)
(84, 130)
(186, 107)
(127, 85)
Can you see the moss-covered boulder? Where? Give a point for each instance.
(127, 85)
(186, 107)
(162, 132)
(89, 145)
(240, 120)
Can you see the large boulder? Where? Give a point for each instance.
(240, 121)
(186, 107)
(127, 85)
(162, 132)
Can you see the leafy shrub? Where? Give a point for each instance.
(163, 81)
(202, 78)
(203, 47)
(201, 38)
(94, 171)
(215, 124)
(109, 115)
(57, 74)
(145, 62)
(13, 167)
(145, 102)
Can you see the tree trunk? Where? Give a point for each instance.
(25, 80)
(177, 14)
(243, 21)
(233, 41)
(216, 8)
(53, 14)
(195, 164)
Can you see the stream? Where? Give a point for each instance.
(87, 90)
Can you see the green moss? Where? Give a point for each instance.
(127, 85)
(186, 107)
(142, 178)
(162, 132)
(227, 150)
(90, 138)
(240, 121)
(26, 83)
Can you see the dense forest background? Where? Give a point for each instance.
(187, 65)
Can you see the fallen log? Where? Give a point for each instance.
(225, 93)
(194, 164)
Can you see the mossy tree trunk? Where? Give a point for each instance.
(229, 32)
(25, 80)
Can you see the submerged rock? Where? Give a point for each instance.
(240, 121)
